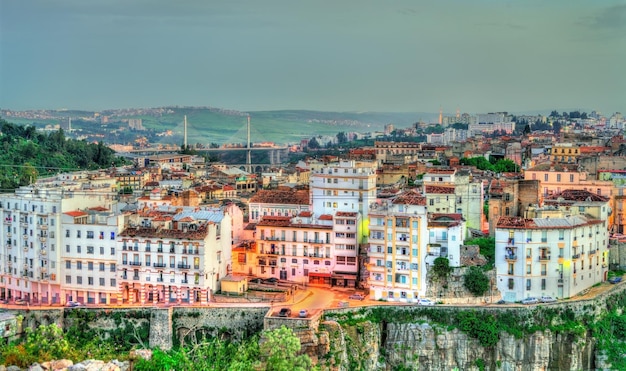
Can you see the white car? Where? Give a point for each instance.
(547, 299)
(528, 301)
(425, 302)
(73, 304)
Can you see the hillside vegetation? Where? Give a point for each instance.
(27, 154)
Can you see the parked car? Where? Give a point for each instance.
(547, 299)
(284, 312)
(270, 280)
(501, 301)
(20, 301)
(615, 279)
(303, 313)
(256, 280)
(73, 304)
(531, 300)
(425, 302)
(356, 296)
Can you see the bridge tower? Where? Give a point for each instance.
(249, 157)
(185, 134)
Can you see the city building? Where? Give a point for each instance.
(174, 255)
(280, 202)
(559, 250)
(398, 239)
(89, 255)
(348, 186)
(307, 249)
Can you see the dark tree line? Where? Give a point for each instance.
(27, 154)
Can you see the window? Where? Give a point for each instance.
(528, 285)
(101, 250)
(101, 281)
(101, 266)
(528, 268)
(77, 234)
(68, 264)
(67, 233)
(67, 248)
(543, 283)
(558, 177)
(89, 249)
(90, 266)
(113, 284)
(571, 178)
(79, 265)
(78, 249)
(90, 281)
(112, 250)
(79, 280)
(112, 267)
(545, 177)
(68, 279)
(90, 235)
(561, 235)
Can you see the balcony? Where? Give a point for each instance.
(183, 266)
(544, 258)
(136, 278)
(25, 236)
(147, 248)
(576, 256)
(25, 248)
(134, 263)
(160, 249)
(184, 281)
(42, 252)
(124, 277)
(159, 279)
(43, 239)
(593, 252)
(511, 257)
(8, 234)
(43, 227)
(159, 265)
(7, 221)
(172, 250)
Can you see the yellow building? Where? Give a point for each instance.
(564, 152)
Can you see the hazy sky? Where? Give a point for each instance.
(345, 55)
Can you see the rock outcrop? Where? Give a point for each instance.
(421, 346)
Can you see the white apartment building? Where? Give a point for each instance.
(398, 239)
(174, 255)
(446, 233)
(348, 186)
(31, 235)
(560, 250)
(89, 255)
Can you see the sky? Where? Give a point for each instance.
(340, 55)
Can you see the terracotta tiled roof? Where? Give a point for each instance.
(439, 189)
(576, 195)
(76, 213)
(299, 197)
(411, 198)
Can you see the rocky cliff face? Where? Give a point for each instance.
(421, 346)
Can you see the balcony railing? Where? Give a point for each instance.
(183, 266)
(575, 256)
(184, 281)
(136, 278)
(134, 263)
(159, 265)
(159, 279)
(544, 258)
(510, 257)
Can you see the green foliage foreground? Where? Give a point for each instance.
(276, 350)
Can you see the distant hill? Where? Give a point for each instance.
(215, 125)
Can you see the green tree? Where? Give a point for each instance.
(441, 267)
(476, 281)
(342, 138)
(46, 343)
(313, 143)
(280, 348)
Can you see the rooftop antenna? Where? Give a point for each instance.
(185, 134)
